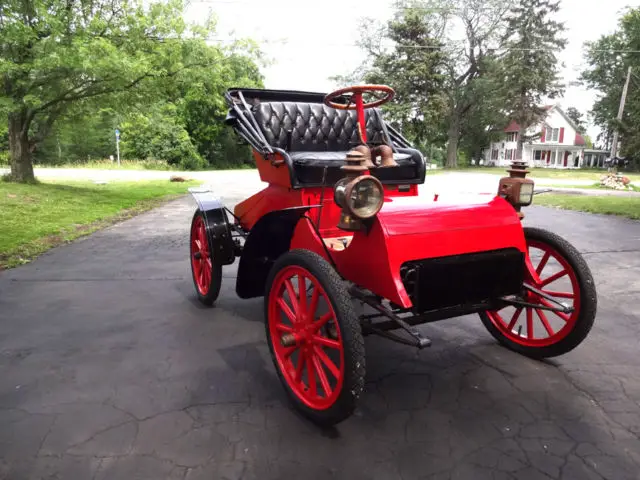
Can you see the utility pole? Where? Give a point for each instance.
(614, 146)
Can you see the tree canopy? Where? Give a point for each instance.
(68, 60)
(463, 69)
(578, 118)
(609, 59)
(530, 62)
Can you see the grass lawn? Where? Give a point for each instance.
(578, 174)
(595, 186)
(34, 218)
(624, 206)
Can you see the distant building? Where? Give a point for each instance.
(559, 145)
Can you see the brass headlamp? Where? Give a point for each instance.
(359, 194)
(516, 188)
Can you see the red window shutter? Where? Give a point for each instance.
(561, 134)
(544, 131)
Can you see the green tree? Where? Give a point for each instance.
(203, 109)
(159, 135)
(576, 116)
(486, 116)
(608, 59)
(435, 71)
(530, 63)
(414, 66)
(57, 52)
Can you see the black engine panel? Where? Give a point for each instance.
(471, 278)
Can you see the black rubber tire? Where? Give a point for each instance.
(588, 301)
(353, 341)
(216, 269)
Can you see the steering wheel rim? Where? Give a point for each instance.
(359, 90)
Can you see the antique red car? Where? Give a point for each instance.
(341, 245)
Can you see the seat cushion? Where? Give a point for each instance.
(335, 159)
(313, 127)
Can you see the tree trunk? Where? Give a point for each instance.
(19, 151)
(454, 136)
(520, 144)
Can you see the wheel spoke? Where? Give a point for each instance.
(297, 377)
(313, 306)
(335, 371)
(562, 315)
(535, 278)
(324, 381)
(553, 278)
(281, 327)
(322, 321)
(207, 274)
(311, 376)
(302, 294)
(529, 323)
(545, 322)
(292, 296)
(514, 319)
(543, 262)
(201, 275)
(327, 342)
(289, 351)
(287, 311)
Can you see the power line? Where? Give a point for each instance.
(429, 47)
(296, 5)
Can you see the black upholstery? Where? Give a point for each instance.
(315, 136)
(313, 127)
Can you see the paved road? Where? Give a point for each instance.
(109, 369)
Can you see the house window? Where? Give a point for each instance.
(512, 136)
(494, 154)
(552, 134)
(537, 155)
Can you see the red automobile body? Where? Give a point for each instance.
(408, 227)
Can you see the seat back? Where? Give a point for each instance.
(313, 127)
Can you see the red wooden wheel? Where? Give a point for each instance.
(313, 365)
(206, 271)
(314, 336)
(557, 269)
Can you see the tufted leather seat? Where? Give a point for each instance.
(316, 136)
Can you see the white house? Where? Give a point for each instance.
(559, 145)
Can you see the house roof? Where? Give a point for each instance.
(579, 141)
(512, 127)
(515, 127)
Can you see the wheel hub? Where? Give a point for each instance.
(301, 335)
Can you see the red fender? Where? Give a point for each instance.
(409, 228)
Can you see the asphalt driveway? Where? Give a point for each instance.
(109, 369)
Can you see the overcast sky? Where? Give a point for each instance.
(308, 42)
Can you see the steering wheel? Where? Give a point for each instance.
(356, 102)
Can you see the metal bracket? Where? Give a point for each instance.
(562, 308)
(417, 340)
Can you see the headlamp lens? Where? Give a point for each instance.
(366, 198)
(526, 193)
